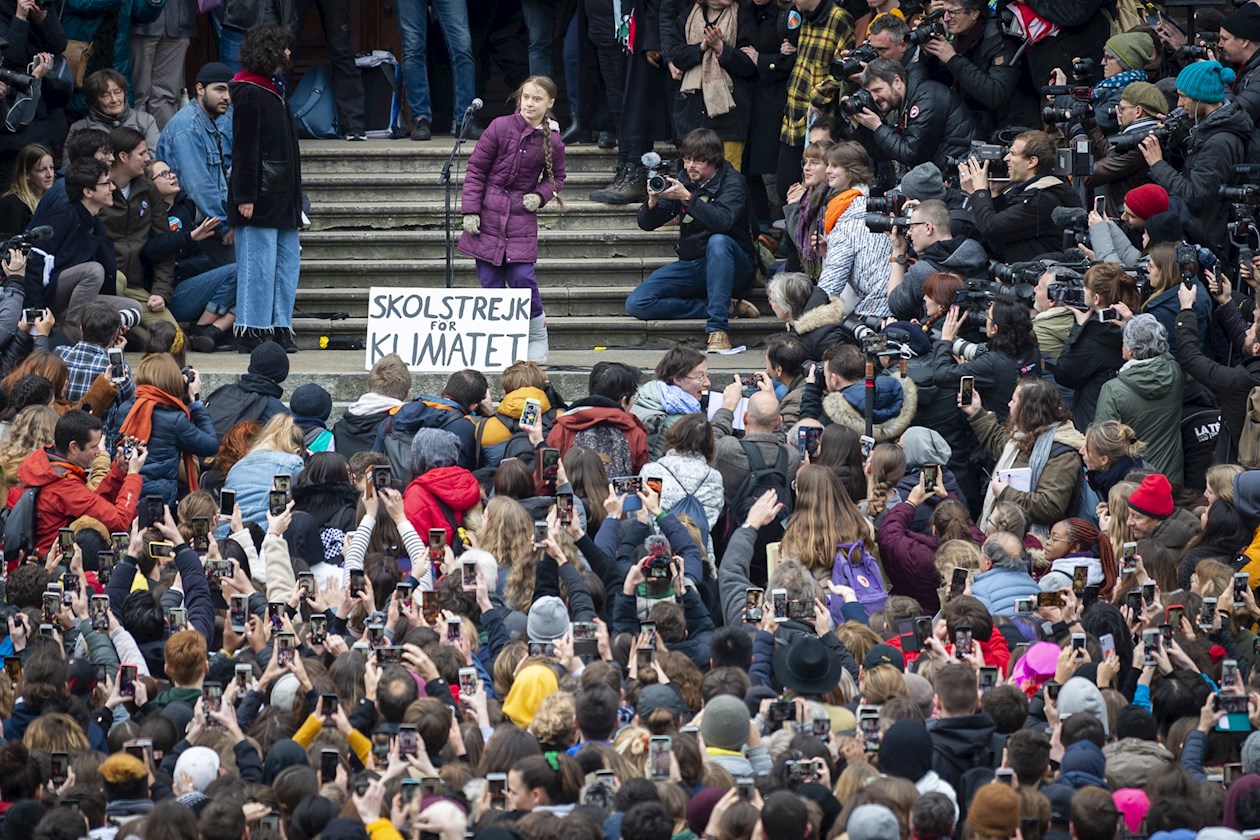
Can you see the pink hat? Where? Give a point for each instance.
(1133, 804)
(1036, 666)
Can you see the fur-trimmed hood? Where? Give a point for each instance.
(830, 314)
(842, 411)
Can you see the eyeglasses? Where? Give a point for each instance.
(704, 377)
(109, 184)
(912, 224)
(953, 13)
(169, 174)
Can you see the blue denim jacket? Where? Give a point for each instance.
(200, 150)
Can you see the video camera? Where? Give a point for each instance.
(1173, 132)
(1078, 110)
(656, 180)
(858, 101)
(842, 69)
(24, 241)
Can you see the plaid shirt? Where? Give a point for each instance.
(86, 362)
(821, 39)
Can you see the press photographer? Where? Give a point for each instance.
(931, 123)
(1017, 224)
(930, 234)
(1118, 163)
(977, 61)
(715, 251)
(1218, 142)
(1092, 353)
(1239, 47)
(1010, 355)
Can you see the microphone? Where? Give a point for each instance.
(39, 234)
(475, 105)
(1066, 217)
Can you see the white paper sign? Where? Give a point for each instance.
(445, 330)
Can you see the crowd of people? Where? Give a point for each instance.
(970, 551)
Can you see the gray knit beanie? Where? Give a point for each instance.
(725, 723)
(1251, 753)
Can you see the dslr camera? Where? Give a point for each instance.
(842, 69)
(925, 32)
(858, 101)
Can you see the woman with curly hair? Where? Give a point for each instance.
(32, 429)
(507, 532)
(1039, 436)
(824, 518)
(264, 191)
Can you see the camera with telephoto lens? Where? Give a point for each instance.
(842, 69)
(1015, 278)
(1083, 70)
(1246, 194)
(883, 223)
(920, 35)
(967, 350)
(891, 202)
(860, 328)
(1189, 53)
(17, 80)
(1174, 131)
(1076, 111)
(857, 102)
(656, 180)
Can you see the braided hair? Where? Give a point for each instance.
(1085, 534)
(549, 87)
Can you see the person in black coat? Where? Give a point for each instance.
(769, 91)
(27, 36)
(264, 192)
(934, 124)
(1092, 353)
(1012, 354)
(726, 31)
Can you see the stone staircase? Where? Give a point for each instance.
(377, 220)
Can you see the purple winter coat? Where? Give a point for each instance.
(507, 164)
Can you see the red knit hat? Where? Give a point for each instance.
(1153, 497)
(1147, 200)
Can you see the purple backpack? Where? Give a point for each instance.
(862, 575)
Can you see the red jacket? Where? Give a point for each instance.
(994, 651)
(64, 495)
(455, 487)
(570, 423)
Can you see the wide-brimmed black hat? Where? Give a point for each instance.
(806, 666)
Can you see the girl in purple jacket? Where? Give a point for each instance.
(516, 167)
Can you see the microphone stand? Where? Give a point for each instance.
(445, 180)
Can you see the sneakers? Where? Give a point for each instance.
(421, 130)
(626, 188)
(744, 309)
(249, 340)
(203, 339)
(356, 135)
(718, 340)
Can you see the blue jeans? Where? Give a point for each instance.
(230, 41)
(695, 288)
(413, 22)
(267, 263)
(540, 20)
(214, 290)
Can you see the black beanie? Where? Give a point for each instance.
(269, 361)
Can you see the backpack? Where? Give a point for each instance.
(689, 505)
(610, 444)
(396, 443)
(1200, 430)
(517, 444)
(314, 106)
(229, 405)
(759, 479)
(19, 526)
(863, 577)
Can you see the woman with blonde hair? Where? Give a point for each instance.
(555, 722)
(507, 532)
(881, 683)
(1113, 516)
(276, 451)
(167, 416)
(824, 518)
(32, 429)
(631, 742)
(1220, 483)
(33, 174)
(1111, 449)
(55, 732)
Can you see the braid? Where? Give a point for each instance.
(879, 499)
(547, 164)
(1084, 533)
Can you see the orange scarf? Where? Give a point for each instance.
(836, 208)
(139, 423)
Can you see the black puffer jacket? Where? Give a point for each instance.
(1216, 146)
(934, 125)
(963, 256)
(996, 374)
(1247, 87)
(1017, 224)
(1091, 356)
(987, 78)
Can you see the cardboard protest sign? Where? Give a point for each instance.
(445, 330)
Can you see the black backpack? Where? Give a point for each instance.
(19, 526)
(760, 478)
(396, 443)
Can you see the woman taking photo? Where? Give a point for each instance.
(33, 174)
(855, 260)
(264, 193)
(1012, 354)
(1166, 276)
(166, 415)
(1038, 435)
(276, 451)
(516, 167)
(1092, 352)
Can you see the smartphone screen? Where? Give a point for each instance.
(966, 389)
(227, 502)
(658, 756)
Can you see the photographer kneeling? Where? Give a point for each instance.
(715, 250)
(1218, 142)
(1011, 355)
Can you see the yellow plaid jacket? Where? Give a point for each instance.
(821, 39)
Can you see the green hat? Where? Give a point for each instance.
(1147, 95)
(1134, 49)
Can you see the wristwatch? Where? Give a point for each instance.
(899, 259)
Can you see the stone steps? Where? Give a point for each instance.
(429, 214)
(430, 271)
(402, 245)
(404, 157)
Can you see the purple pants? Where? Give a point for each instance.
(512, 276)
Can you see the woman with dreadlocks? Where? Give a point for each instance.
(516, 168)
(1077, 542)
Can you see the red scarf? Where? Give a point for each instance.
(139, 423)
(257, 79)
